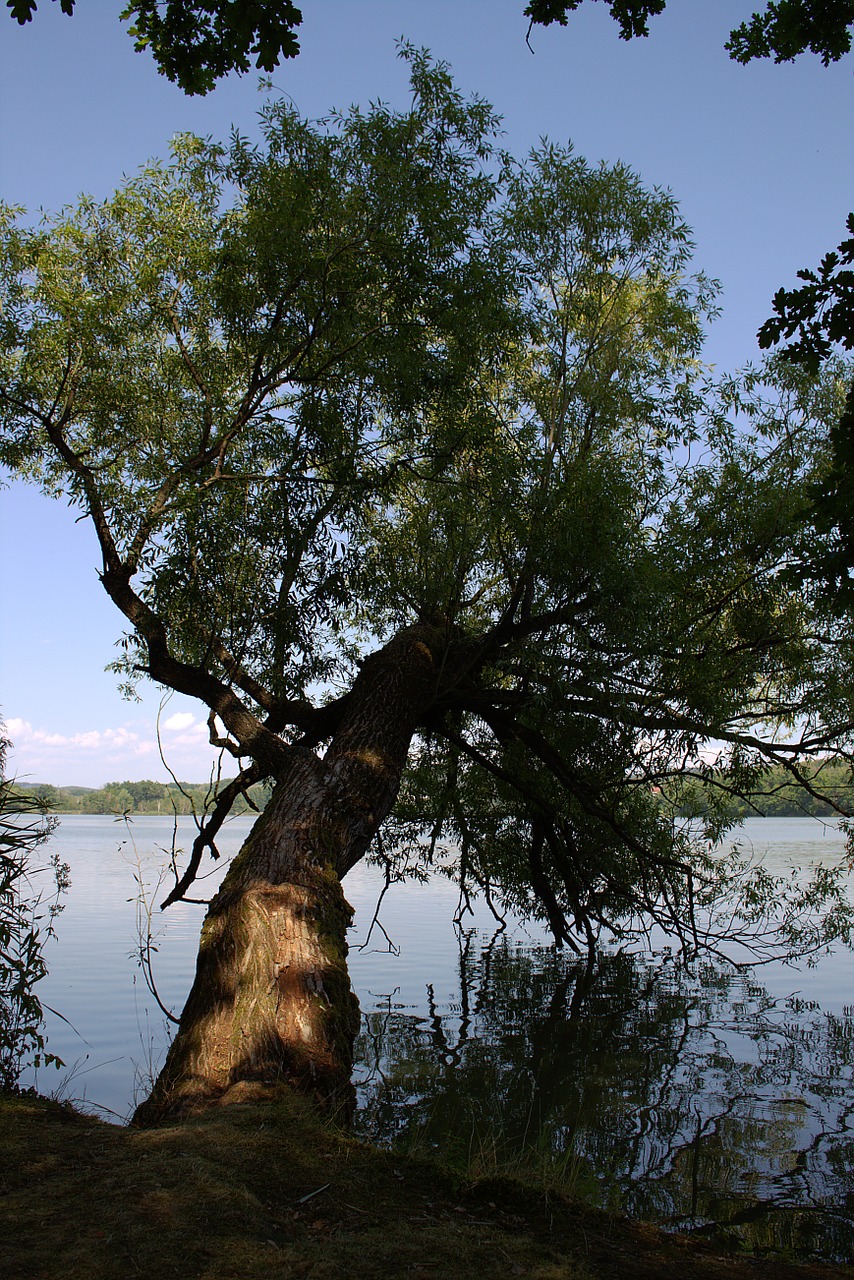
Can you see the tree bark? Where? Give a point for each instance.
(271, 1001)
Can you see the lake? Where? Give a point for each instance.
(700, 1097)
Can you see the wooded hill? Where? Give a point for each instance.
(776, 796)
(141, 797)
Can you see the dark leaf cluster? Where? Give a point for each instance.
(783, 30)
(197, 42)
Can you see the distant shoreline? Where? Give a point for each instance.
(775, 797)
(138, 799)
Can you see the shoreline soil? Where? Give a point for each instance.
(264, 1188)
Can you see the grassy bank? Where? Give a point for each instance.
(264, 1189)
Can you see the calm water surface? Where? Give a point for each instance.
(702, 1098)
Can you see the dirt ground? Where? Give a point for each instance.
(263, 1188)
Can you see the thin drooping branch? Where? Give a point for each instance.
(782, 753)
(549, 830)
(507, 729)
(543, 889)
(510, 780)
(209, 830)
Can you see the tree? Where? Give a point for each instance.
(811, 321)
(197, 42)
(383, 438)
(819, 315)
(785, 29)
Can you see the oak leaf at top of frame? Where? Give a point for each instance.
(785, 29)
(197, 42)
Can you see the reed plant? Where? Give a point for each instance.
(31, 889)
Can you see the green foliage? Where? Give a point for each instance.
(819, 314)
(790, 27)
(630, 15)
(372, 373)
(197, 42)
(22, 10)
(811, 320)
(777, 795)
(27, 912)
(137, 797)
(267, 342)
(784, 29)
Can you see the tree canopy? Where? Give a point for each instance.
(811, 321)
(372, 375)
(819, 314)
(817, 317)
(196, 42)
(783, 30)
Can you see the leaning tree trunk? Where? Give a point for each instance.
(271, 1000)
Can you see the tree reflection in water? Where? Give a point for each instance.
(681, 1094)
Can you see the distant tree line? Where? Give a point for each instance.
(139, 797)
(776, 794)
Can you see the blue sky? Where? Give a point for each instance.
(761, 159)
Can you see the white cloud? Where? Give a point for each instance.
(180, 720)
(22, 734)
(95, 756)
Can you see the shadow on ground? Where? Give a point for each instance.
(261, 1187)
